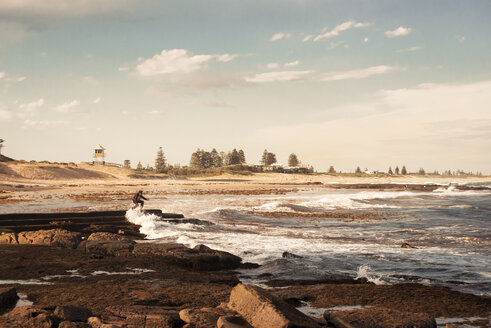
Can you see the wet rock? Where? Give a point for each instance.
(199, 258)
(262, 309)
(288, 255)
(30, 317)
(107, 236)
(249, 265)
(379, 317)
(199, 318)
(8, 298)
(107, 247)
(406, 245)
(137, 316)
(53, 237)
(72, 313)
(8, 238)
(235, 321)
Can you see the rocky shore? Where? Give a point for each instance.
(106, 275)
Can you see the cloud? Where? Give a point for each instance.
(272, 65)
(5, 115)
(12, 31)
(278, 76)
(30, 108)
(91, 80)
(2, 75)
(41, 123)
(293, 63)
(361, 73)
(365, 40)
(21, 79)
(338, 29)
(97, 100)
(461, 38)
(400, 31)
(415, 48)
(279, 36)
(308, 37)
(178, 61)
(337, 44)
(154, 112)
(123, 69)
(218, 104)
(67, 107)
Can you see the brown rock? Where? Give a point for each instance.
(53, 237)
(8, 238)
(199, 318)
(106, 236)
(199, 258)
(232, 322)
(107, 247)
(95, 322)
(71, 324)
(8, 298)
(263, 310)
(72, 313)
(406, 245)
(379, 317)
(30, 317)
(137, 316)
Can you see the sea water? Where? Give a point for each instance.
(449, 228)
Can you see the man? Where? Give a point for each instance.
(137, 199)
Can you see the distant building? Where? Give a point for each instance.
(300, 169)
(99, 155)
(273, 168)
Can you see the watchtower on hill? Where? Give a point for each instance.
(1, 145)
(99, 155)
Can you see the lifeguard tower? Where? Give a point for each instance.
(1, 145)
(99, 155)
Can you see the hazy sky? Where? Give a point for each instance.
(370, 83)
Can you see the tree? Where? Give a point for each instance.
(331, 169)
(139, 167)
(397, 170)
(358, 170)
(160, 162)
(195, 159)
(234, 157)
(390, 170)
(242, 159)
(403, 170)
(264, 159)
(271, 159)
(292, 160)
(421, 171)
(216, 160)
(127, 164)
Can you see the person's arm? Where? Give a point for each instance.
(144, 197)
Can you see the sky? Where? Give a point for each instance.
(369, 83)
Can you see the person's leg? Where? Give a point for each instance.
(141, 203)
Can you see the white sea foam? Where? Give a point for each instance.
(364, 271)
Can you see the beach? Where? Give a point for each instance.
(308, 236)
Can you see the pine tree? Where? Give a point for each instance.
(403, 170)
(292, 160)
(264, 159)
(331, 170)
(127, 164)
(271, 159)
(160, 162)
(139, 167)
(358, 170)
(390, 170)
(216, 160)
(397, 170)
(234, 157)
(242, 159)
(195, 159)
(421, 171)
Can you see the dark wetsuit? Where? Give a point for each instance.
(138, 199)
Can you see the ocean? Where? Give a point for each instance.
(346, 232)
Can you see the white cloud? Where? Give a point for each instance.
(272, 65)
(97, 100)
(67, 107)
(30, 108)
(21, 79)
(5, 115)
(2, 75)
(340, 28)
(361, 73)
(365, 40)
(308, 37)
(278, 76)
(400, 31)
(411, 49)
(293, 63)
(461, 38)
(154, 112)
(91, 80)
(279, 36)
(178, 61)
(123, 69)
(337, 44)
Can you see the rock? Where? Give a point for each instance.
(107, 236)
(71, 324)
(406, 245)
(95, 322)
(8, 298)
(379, 317)
(72, 313)
(232, 322)
(137, 316)
(30, 317)
(288, 255)
(249, 265)
(199, 258)
(199, 318)
(261, 309)
(53, 237)
(452, 325)
(107, 247)
(8, 238)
